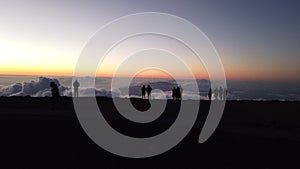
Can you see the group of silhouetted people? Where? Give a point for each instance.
(177, 93)
(147, 90)
(219, 93)
(55, 90)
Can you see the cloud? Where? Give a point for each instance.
(11, 89)
(41, 88)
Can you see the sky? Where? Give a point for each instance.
(256, 40)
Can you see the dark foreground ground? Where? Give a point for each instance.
(34, 134)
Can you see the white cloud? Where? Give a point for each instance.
(41, 88)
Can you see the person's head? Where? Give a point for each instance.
(52, 84)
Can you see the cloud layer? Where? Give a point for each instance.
(40, 87)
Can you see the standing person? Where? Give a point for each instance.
(143, 92)
(178, 93)
(209, 94)
(76, 85)
(174, 94)
(54, 90)
(181, 91)
(225, 94)
(149, 89)
(216, 93)
(55, 94)
(221, 93)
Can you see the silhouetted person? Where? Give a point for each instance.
(178, 93)
(174, 94)
(54, 90)
(216, 93)
(209, 94)
(149, 89)
(225, 94)
(76, 85)
(143, 92)
(181, 90)
(221, 93)
(55, 94)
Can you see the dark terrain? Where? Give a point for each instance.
(38, 133)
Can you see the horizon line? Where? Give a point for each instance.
(149, 77)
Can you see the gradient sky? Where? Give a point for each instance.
(257, 40)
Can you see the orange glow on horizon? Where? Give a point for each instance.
(255, 75)
(68, 74)
(145, 74)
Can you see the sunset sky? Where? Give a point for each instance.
(256, 40)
